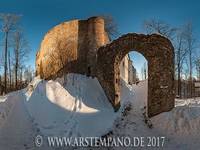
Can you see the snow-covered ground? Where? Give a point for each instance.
(79, 107)
(75, 108)
(180, 127)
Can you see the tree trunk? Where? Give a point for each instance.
(5, 62)
(16, 63)
(179, 67)
(179, 81)
(9, 67)
(16, 71)
(190, 61)
(179, 73)
(21, 74)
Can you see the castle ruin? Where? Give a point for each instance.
(83, 46)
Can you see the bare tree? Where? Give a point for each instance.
(8, 24)
(184, 43)
(144, 71)
(28, 74)
(21, 50)
(181, 52)
(190, 42)
(20, 75)
(9, 68)
(110, 26)
(160, 27)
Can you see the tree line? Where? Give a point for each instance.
(187, 60)
(186, 47)
(14, 73)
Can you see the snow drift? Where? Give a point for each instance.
(76, 107)
(183, 120)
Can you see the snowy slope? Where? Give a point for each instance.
(79, 107)
(76, 109)
(180, 127)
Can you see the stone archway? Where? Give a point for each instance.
(159, 53)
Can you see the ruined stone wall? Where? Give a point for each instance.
(71, 47)
(159, 53)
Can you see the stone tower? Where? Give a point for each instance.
(96, 38)
(71, 47)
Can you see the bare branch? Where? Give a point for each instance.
(110, 26)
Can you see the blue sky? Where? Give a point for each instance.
(41, 15)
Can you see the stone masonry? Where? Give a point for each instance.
(159, 53)
(83, 46)
(71, 47)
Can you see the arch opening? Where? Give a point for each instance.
(134, 79)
